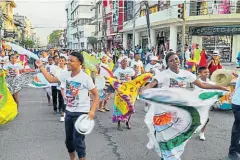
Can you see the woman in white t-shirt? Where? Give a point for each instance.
(176, 77)
(124, 74)
(77, 85)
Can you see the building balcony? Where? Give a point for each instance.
(219, 9)
(94, 20)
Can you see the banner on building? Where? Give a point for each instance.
(115, 15)
(213, 31)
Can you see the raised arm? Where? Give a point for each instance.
(49, 77)
(208, 86)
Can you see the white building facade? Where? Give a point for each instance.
(79, 26)
(211, 24)
(97, 20)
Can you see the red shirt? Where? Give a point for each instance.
(203, 60)
(213, 67)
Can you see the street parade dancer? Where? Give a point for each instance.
(77, 85)
(124, 74)
(16, 78)
(177, 78)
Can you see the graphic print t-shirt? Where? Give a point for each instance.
(169, 79)
(122, 73)
(137, 65)
(76, 91)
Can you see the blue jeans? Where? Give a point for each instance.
(235, 146)
(74, 140)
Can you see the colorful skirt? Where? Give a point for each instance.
(118, 116)
(16, 83)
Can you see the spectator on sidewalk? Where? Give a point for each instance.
(234, 149)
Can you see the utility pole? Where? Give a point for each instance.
(134, 25)
(184, 26)
(148, 23)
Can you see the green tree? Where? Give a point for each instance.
(28, 43)
(92, 41)
(54, 37)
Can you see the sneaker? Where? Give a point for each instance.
(202, 136)
(62, 119)
(146, 108)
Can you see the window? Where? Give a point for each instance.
(82, 44)
(100, 26)
(99, 8)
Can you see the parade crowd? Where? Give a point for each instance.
(74, 91)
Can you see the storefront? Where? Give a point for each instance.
(222, 38)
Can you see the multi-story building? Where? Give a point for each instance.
(79, 16)
(209, 23)
(7, 7)
(26, 26)
(97, 20)
(113, 14)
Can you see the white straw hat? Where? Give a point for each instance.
(221, 77)
(84, 125)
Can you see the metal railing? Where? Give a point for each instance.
(214, 10)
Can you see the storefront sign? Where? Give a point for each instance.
(213, 31)
(115, 15)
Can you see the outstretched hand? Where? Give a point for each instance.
(38, 63)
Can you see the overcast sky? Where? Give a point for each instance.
(49, 14)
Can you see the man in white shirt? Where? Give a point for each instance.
(76, 85)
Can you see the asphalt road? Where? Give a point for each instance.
(37, 134)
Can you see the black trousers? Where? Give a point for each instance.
(235, 138)
(57, 99)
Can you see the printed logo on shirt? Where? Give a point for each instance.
(48, 69)
(179, 82)
(72, 93)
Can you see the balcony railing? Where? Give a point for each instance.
(216, 9)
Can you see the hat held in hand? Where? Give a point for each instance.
(84, 125)
(221, 77)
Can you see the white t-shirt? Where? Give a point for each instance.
(169, 79)
(137, 65)
(130, 61)
(57, 71)
(122, 73)
(51, 69)
(236, 95)
(76, 91)
(187, 55)
(13, 69)
(5, 60)
(149, 67)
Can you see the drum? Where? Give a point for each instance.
(100, 82)
(224, 102)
